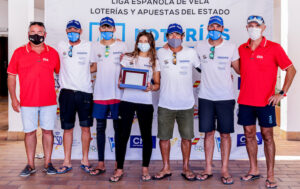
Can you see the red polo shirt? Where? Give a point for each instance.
(259, 71)
(36, 75)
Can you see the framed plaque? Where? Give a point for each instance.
(134, 78)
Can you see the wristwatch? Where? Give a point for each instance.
(282, 93)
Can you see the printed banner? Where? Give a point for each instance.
(131, 16)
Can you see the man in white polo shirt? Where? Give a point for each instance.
(106, 54)
(76, 93)
(176, 100)
(216, 95)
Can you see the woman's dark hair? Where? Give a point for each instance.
(152, 50)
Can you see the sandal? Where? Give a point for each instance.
(63, 170)
(85, 168)
(202, 175)
(184, 175)
(162, 177)
(252, 177)
(146, 178)
(225, 180)
(115, 178)
(268, 182)
(96, 172)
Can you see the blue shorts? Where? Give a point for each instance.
(211, 111)
(110, 111)
(31, 116)
(248, 114)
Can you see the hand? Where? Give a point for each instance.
(15, 105)
(166, 46)
(275, 99)
(149, 87)
(119, 82)
(121, 57)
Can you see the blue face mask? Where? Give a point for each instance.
(214, 35)
(73, 36)
(107, 35)
(174, 42)
(144, 47)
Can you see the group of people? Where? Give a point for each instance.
(170, 71)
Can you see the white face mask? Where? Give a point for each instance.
(254, 33)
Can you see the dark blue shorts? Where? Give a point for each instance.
(110, 111)
(71, 102)
(249, 114)
(211, 111)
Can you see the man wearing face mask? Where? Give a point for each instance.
(76, 93)
(35, 64)
(176, 100)
(259, 63)
(216, 95)
(106, 56)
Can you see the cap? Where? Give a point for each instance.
(216, 20)
(257, 19)
(108, 21)
(174, 28)
(74, 24)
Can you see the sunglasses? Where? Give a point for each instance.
(106, 51)
(254, 17)
(174, 58)
(212, 53)
(70, 53)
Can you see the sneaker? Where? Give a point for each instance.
(50, 170)
(27, 171)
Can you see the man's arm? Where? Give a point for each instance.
(11, 84)
(290, 74)
(236, 66)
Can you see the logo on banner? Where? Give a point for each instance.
(198, 147)
(196, 84)
(241, 139)
(137, 142)
(195, 112)
(58, 140)
(173, 141)
(218, 142)
(111, 143)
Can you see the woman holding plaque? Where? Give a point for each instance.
(138, 100)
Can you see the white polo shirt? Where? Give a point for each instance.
(75, 71)
(176, 88)
(137, 95)
(216, 82)
(108, 70)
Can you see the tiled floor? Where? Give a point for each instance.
(13, 159)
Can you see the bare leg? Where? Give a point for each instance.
(186, 151)
(30, 146)
(47, 145)
(209, 145)
(165, 147)
(251, 145)
(85, 139)
(269, 147)
(225, 153)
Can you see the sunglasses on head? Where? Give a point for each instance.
(212, 53)
(174, 58)
(255, 17)
(106, 51)
(70, 53)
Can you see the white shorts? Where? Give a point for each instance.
(45, 114)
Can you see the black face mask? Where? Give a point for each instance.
(36, 39)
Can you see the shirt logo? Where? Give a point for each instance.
(204, 57)
(99, 55)
(223, 57)
(259, 57)
(64, 53)
(184, 61)
(117, 52)
(166, 62)
(46, 59)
